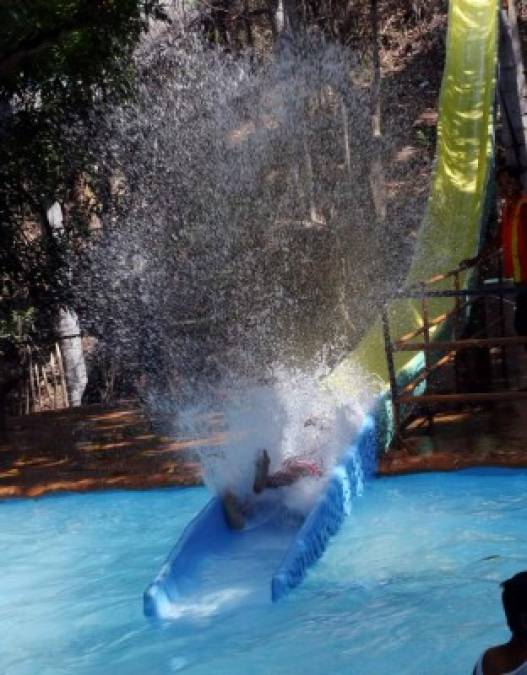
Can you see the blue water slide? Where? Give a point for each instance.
(212, 567)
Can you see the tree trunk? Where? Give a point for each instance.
(310, 176)
(272, 13)
(376, 60)
(68, 333)
(67, 329)
(248, 28)
(280, 17)
(376, 171)
(346, 141)
(11, 374)
(291, 17)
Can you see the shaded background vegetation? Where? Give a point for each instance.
(65, 63)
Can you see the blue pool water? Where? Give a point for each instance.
(410, 585)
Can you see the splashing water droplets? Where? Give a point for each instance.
(296, 416)
(239, 245)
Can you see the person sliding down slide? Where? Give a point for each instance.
(236, 512)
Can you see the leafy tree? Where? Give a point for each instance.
(62, 49)
(57, 59)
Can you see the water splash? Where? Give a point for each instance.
(294, 416)
(237, 234)
(239, 243)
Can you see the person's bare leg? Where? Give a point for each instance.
(233, 511)
(262, 472)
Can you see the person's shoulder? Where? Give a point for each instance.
(494, 659)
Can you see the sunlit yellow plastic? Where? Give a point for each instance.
(451, 227)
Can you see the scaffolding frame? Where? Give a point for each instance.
(464, 298)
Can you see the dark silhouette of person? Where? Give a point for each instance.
(509, 658)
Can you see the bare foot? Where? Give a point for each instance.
(233, 511)
(262, 471)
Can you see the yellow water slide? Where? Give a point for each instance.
(450, 230)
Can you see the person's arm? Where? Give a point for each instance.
(491, 247)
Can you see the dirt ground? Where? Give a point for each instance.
(92, 448)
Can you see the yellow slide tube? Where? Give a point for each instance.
(451, 227)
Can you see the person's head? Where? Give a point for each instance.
(514, 598)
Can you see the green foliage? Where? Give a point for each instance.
(58, 58)
(63, 50)
(16, 324)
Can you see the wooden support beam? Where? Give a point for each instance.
(419, 331)
(428, 364)
(440, 277)
(459, 307)
(456, 272)
(391, 371)
(443, 361)
(504, 368)
(415, 293)
(466, 398)
(458, 345)
(433, 322)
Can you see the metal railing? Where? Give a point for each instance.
(404, 395)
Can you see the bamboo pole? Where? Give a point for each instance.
(27, 395)
(47, 385)
(54, 380)
(31, 383)
(38, 387)
(62, 376)
(21, 398)
(27, 398)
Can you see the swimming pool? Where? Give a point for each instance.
(409, 585)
